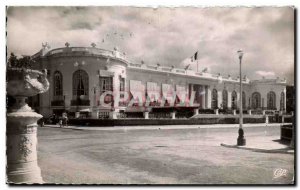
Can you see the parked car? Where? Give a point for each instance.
(53, 120)
(41, 122)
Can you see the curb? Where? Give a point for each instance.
(281, 151)
(217, 126)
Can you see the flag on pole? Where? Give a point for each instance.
(194, 57)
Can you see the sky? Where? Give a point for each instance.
(168, 36)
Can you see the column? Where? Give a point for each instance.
(238, 99)
(284, 102)
(220, 101)
(208, 97)
(116, 89)
(229, 99)
(203, 97)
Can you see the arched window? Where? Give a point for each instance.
(282, 103)
(256, 100)
(234, 100)
(57, 84)
(271, 99)
(214, 99)
(244, 100)
(225, 99)
(80, 83)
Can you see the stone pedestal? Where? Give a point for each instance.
(21, 128)
(22, 166)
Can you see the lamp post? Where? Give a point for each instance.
(241, 141)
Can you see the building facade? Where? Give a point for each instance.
(104, 83)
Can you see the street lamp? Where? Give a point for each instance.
(241, 141)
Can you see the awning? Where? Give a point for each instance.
(153, 91)
(85, 110)
(167, 90)
(137, 90)
(104, 73)
(181, 93)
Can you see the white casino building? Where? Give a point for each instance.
(80, 76)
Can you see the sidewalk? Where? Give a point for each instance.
(267, 144)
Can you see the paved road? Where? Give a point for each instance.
(158, 156)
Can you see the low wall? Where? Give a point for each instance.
(137, 122)
(278, 119)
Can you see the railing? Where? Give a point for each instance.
(55, 98)
(151, 67)
(161, 115)
(103, 115)
(168, 69)
(58, 103)
(80, 102)
(89, 50)
(187, 72)
(123, 104)
(256, 112)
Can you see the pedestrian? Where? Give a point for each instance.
(65, 119)
(60, 122)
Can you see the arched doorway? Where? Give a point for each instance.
(234, 100)
(256, 100)
(271, 100)
(225, 99)
(214, 99)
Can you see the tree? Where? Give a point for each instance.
(24, 62)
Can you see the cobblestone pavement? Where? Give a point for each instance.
(160, 156)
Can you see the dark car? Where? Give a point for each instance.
(53, 120)
(41, 122)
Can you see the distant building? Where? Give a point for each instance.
(79, 76)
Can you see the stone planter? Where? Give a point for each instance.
(21, 125)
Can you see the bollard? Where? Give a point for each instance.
(173, 115)
(267, 119)
(146, 115)
(217, 111)
(196, 111)
(249, 112)
(77, 115)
